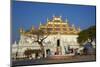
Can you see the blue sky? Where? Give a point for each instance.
(26, 14)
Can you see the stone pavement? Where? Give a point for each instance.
(55, 59)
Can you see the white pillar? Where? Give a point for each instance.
(62, 47)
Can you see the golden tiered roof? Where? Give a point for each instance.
(55, 26)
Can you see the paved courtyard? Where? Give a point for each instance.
(55, 59)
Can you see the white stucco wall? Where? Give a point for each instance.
(49, 43)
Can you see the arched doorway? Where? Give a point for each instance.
(48, 52)
(58, 48)
(58, 42)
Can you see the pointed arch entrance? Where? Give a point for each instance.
(58, 48)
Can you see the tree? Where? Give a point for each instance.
(40, 36)
(87, 34)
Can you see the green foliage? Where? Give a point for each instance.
(86, 34)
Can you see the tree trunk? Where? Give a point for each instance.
(42, 50)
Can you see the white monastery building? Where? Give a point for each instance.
(62, 37)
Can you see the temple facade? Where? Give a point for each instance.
(62, 38)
